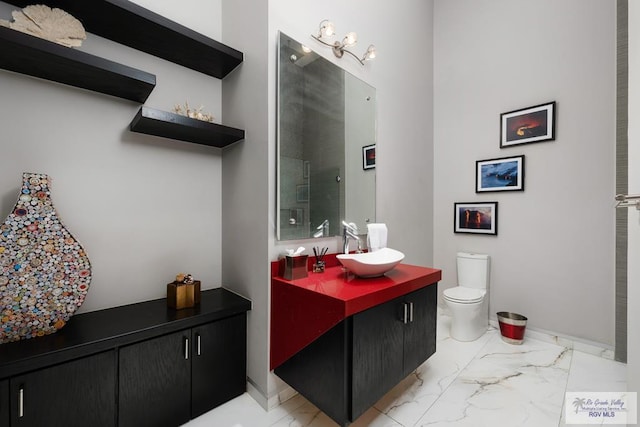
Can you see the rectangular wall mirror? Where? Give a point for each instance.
(326, 134)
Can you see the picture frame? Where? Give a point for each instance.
(502, 174)
(369, 156)
(527, 125)
(306, 166)
(302, 193)
(476, 218)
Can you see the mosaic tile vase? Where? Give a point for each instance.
(45, 273)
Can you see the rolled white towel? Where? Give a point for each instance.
(376, 236)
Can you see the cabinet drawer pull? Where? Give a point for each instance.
(20, 402)
(198, 339)
(410, 312)
(186, 348)
(404, 315)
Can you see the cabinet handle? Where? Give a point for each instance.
(198, 339)
(186, 348)
(404, 315)
(21, 402)
(410, 312)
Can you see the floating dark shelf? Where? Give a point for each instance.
(170, 125)
(132, 25)
(36, 57)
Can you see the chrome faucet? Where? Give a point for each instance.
(323, 229)
(349, 231)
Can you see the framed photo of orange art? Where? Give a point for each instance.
(524, 126)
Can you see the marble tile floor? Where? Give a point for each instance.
(482, 383)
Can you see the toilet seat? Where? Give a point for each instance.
(464, 295)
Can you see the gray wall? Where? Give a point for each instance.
(144, 208)
(553, 257)
(248, 176)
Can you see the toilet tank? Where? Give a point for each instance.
(473, 270)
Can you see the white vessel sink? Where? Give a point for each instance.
(371, 264)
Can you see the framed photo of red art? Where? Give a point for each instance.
(369, 156)
(533, 124)
(476, 218)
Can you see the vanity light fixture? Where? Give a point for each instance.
(327, 29)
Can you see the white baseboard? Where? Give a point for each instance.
(274, 401)
(577, 344)
(257, 395)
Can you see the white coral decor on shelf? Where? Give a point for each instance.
(193, 114)
(54, 25)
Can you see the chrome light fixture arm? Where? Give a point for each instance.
(339, 48)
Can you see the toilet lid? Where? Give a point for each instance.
(464, 295)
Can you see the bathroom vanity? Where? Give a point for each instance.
(343, 341)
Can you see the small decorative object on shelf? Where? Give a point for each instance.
(193, 114)
(184, 292)
(44, 272)
(54, 25)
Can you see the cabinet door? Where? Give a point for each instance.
(219, 363)
(155, 382)
(377, 354)
(78, 393)
(420, 331)
(4, 403)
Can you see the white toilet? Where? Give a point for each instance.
(469, 301)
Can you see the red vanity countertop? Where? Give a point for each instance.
(304, 309)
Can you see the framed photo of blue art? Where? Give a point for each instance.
(533, 124)
(476, 218)
(503, 174)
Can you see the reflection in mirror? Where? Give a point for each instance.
(326, 117)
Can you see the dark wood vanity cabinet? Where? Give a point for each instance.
(182, 375)
(389, 342)
(44, 397)
(346, 370)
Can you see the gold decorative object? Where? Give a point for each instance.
(184, 292)
(193, 114)
(54, 25)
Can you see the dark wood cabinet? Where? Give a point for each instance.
(218, 366)
(176, 377)
(4, 403)
(140, 364)
(377, 354)
(43, 397)
(420, 329)
(346, 370)
(155, 382)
